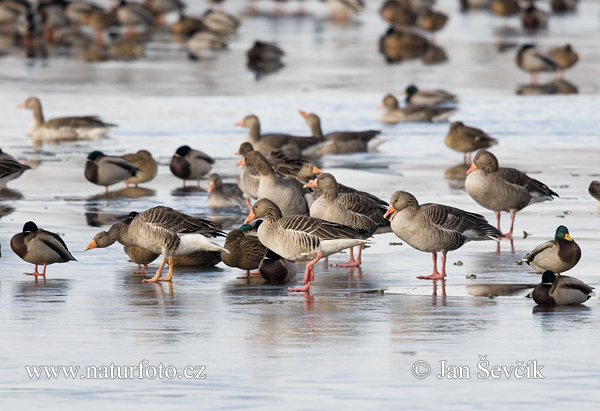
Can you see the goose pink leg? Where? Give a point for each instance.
(352, 262)
(436, 275)
(309, 275)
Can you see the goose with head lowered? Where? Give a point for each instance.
(165, 231)
(302, 238)
(561, 290)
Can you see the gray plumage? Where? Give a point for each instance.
(10, 170)
(392, 113)
(223, 195)
(561, 290)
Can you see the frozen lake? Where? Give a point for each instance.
(345, 344)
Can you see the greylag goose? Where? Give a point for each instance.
(37, 246)
(223, 195)
(287, 193)
(503, 189)
(352, 210)
(302, 238)
(561, 290)
(594, 190)
(419, 97)
(146, 164)
(189, 164)
(392, 113)
(106, 170)
(63, 128)
(558, 255)
(397, 46)
(531, 60)
(165, 231)
(465, 139)
(10, 169)
(436, 228)
(276, 269)
(186, 26)
(245, 250)
(343, 10)
(12, 10)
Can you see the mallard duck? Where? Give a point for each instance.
(245, 251)
(531, 60)
(564, 56)
(558, 255)
(132, 15)
(106, 170)
(434, 55)
(343, 10)
(37, 246)
(436, 228)
(563, 6)
(594, 190)
(63, 128)
(533, 18)
(188, 164)
(223, 195)
(147, 165)
(276, 269)
(505, 8)
(399, 45)
(220, 23)
(419, 97)
(392, 113)
(10, 169)
(465, 139)
(503, 189)
(432, 21)
(397, 14)
(561, 290)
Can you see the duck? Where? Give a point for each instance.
(564, 56)
(276, 269)
(38, 246)
(531, 60)
(202, 41)
(436, 228)
(351, 210)
(558, 255)
(465, 139)
(10, 169)
(393, 114)
(419, 97)
(186, 26)
(245, 250)
(223, 195)
(561, 290)
(503, 189)
(432, 21)
(132, 15)
(144, 161)
(397, 46)
(161, 7)
(165, 231)
(63, 128)
(262, 52)
(302, 238)
(98, 20)
(397, 14)
(434, 55)
(106, 170)
(594, 190)
(189, 164)
(563, 6)
(343, 10)
(533, 18)
(220, 23)
(287, 193)
(505, 8)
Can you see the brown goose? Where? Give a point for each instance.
(594, 190)
(287, 193)
(558, 255)
(106, 170)
(38, 246)
(436, 228)
(302, 238)
(352, 210)
(63, 128)
(147, 165)
(561, 290)
(399, 45)
(392, 113)
(503, 189)
(245, 250)
(465, 139)
(10, 169)
(165, 231)
(188, 164)
(223, 195)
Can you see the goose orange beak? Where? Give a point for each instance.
(316, 170)
(250, 217)
(237, 153)
(389, 211)
(303, 113)
(472, 168)
(312, 184)
(242, 162)
(211, 186)
(91, 245)
(380, 105)
(22, 105)
(239, 123)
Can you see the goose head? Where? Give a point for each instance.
(264, 208)
(399, 201)
(484, 160)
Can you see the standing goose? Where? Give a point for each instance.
(283, 165)
(245, 250)
(274, 268)
(392, 113)
(436, 228)
(223, 195)
(106, 170)
(558, 255)
(561, 290)
(594, 190)
(419, 97)
(189, 164)
(63, 128)
(352, 210)
(465, 139)
(531, 60)
(37, 246)
(165, 231)
(287, 193)
(302, 238)
(147, 165)
(10, 169)
(503, 189)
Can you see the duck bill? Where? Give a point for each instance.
(239, 123)
(22, 105)
(211, 186)
(568, 237)
(316, 170)
(250, 217)
(389, 211)
(303, 113)
(91, 245)
(242, 162)
(472, 168)
(313, 184)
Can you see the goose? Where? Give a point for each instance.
(558, 255)
(564, 56)
(302, 238)
(392, 113)
(352, 210)
(436, 228)
(397, 14)
(245, 250)
(276, 269)
(503, 189)
(400, 45)
(189, 164)
(465, 139)
(287, 193)
(223, 195)
(38, 246)
(106, 170)
(594, 190)
(144, 161)
(99, 20)
(12, 10)
(10, 169)
(52, 18)
(165, 231)
(561, 290)
(432, 21)
(63, 128)
(531, 60)
(419, 97)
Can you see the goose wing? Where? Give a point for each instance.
(342, 189)
(77, 122)
(178, 222)
(516, 177)
(323, 230)
(344, 136)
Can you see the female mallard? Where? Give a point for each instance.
(465, 139)
(419, 97)
(189, 164)
(147, 165)
(245, 250)
(38, 246)
(106, 170)
(401, 45)
(561, 290)
(392, 113)
(594, 190)
(558, 255)
(276, 269)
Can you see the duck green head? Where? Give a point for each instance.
(562, 233)
(95, 155)
(410, 90)
(548, 277)
(246, 228)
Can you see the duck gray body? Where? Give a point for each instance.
(106, 170)
(10, 169)
(189, 164)
(558, 255)
(392, 113)
(561, 290)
